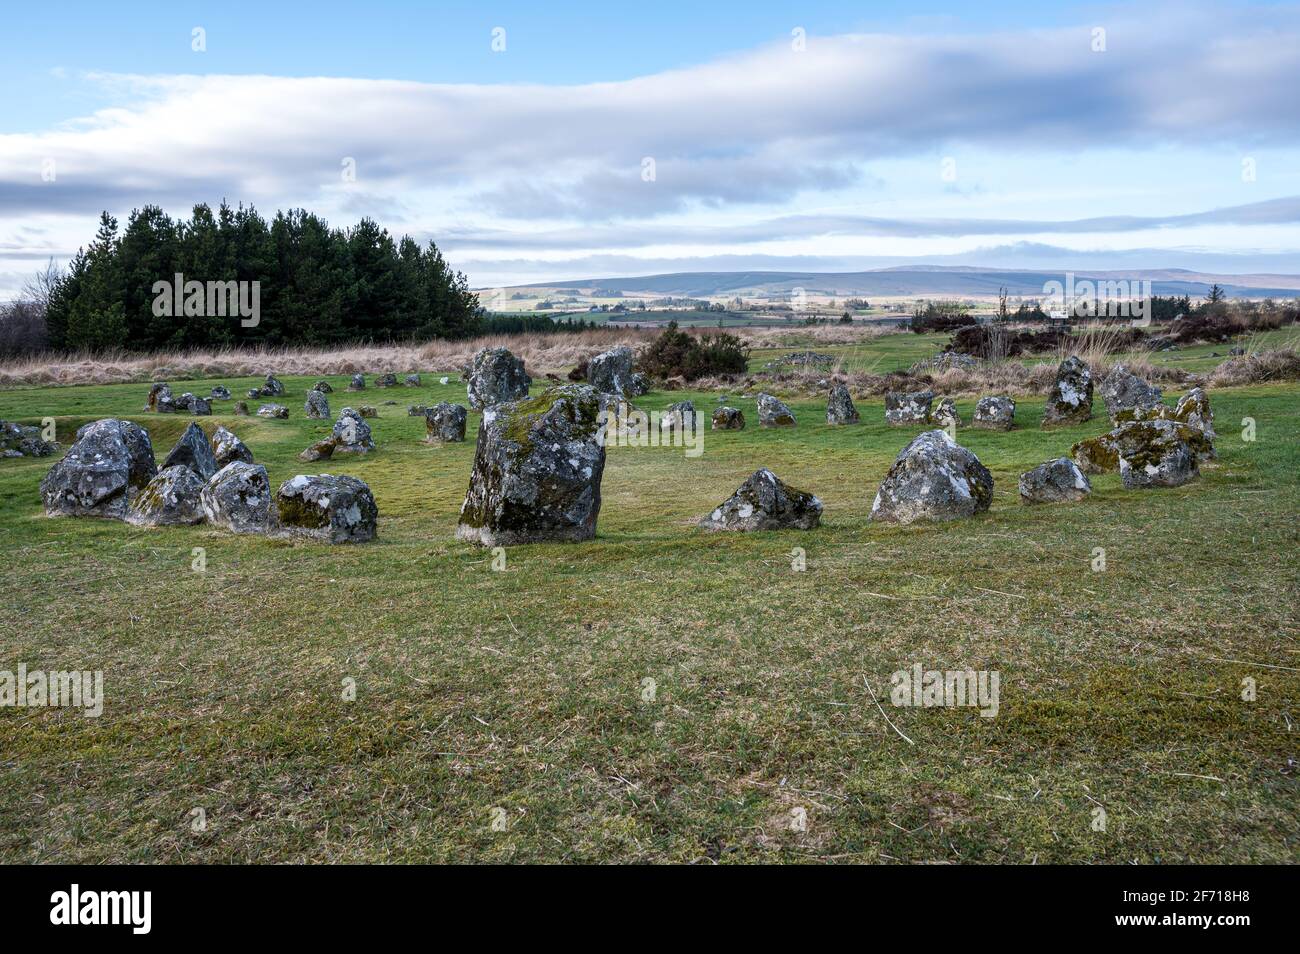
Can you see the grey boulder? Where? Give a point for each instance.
(358, 383)
(1054, 482)
(352, 433)
(327, 508)
(610, 372)
(773, 412)
(444, 423)
(24, 440)
(907, 407)
(495, 377)
(678, 417)
(1070, 399)
(227, 448)
(839, 407)
(170, 499)
(995, 413)
(764, 502)
(317, 406)
(933, 478)
(238, 498)
(104, 468)
(193, 451)
(944, 414)
(728, 419)
(1122, 390)
(273, 410)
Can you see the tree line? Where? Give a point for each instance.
(316, 285)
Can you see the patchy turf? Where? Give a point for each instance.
(526, 689)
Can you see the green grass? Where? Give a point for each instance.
(522, 689)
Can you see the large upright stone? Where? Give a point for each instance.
(495, 377)
(537, 470)
(227, 448)
(193, 451)
(933, 478)
(907, 407)
(764, 502)
(839, 407)
(1122, 390)
(170, 499)
(352, 434)
(1194, 409)
(107, 464)
(1157, 453)
(444, 423)
(327, 508)
(317, 406)
(238, 498)
(1070, 399)
(773, 412)
(610, 372)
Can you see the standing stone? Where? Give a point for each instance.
(273, 410)
(1194, 409)
(327, 508)
(157, 392)
(728, 419)
(358, 383)
(1157, 454)
(238, 498)
(774, 413)
(352, 434)
(412, 381)
(272, 387)
(193, 451)
(678, 417)
(444, 423)
(610, 372)
(995, 413)
(945, 414)
(365, 410)
(496, 376)
(1070, 399)
(1123, 390)
(1054, 482)
(1097, 455)
(170, 499)
(241, 408)
(839, 407)
(227, 448)
(764, 502)
(388, 380)
(323, 387)
(907, 407)
(107, 464)
(639, 386)
(24, 440)
(537, 470)
(317, 406)
(933, 478)
(219, 393)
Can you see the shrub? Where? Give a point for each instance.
(677, 354)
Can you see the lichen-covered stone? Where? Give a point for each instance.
(323, 387)
(944, 414)
(23, 440)
(170, 499)
(160, 391)
(411, 380)
(227, 448)
(996, 413)
(610, 372)
(388, 380)
(538, 465)
(773, 412)
(104, 468)
(839, 407)
(495, 377)
(317, 406)
(366, 410)
(416, 410)
(907, 407)
(1157, 453)
(219, 393)
(321, 450)
(241, 408)
(639, 385)
(728, 419)
(358, 383)
(933, 478)
(764, 502)
(327, 508)
(1070, 399)
(273, 410)
(193, 451)
(238, 498)
(272, 387)
(352, 433)
(197, 406)
(1097, 455)
(1194, 409)
(1122, 390)
(1056, 481)
(444, 423)
(679, 416)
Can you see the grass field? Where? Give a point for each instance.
(524, 689)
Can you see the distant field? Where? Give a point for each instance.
(524, 690)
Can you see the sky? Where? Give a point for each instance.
(548, 142)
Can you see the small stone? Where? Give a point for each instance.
(366, 410)
(241, 408)
(157, 392)
(444, 423)
(358, 383)
(764, 502)
(416, 410)
(317, 406)
(272, 387)
(273, 410)
(220, 393)
(24, 440)
(728, 419)
(388, 380)
(193, 451)
(171, 498)
(326, 508)
(352, 434)
(1194, 409)
(945, 414)
(411, 380)
(933, 478)
(227, 448)
(1157, 454)
(323, 387)
(907, 407)
(1054, 482)
(839, 407)
(321, 450)
(679, 416)
(238, 498)
(774, 413)
(995, 413)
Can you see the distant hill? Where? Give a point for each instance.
(922, 281)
